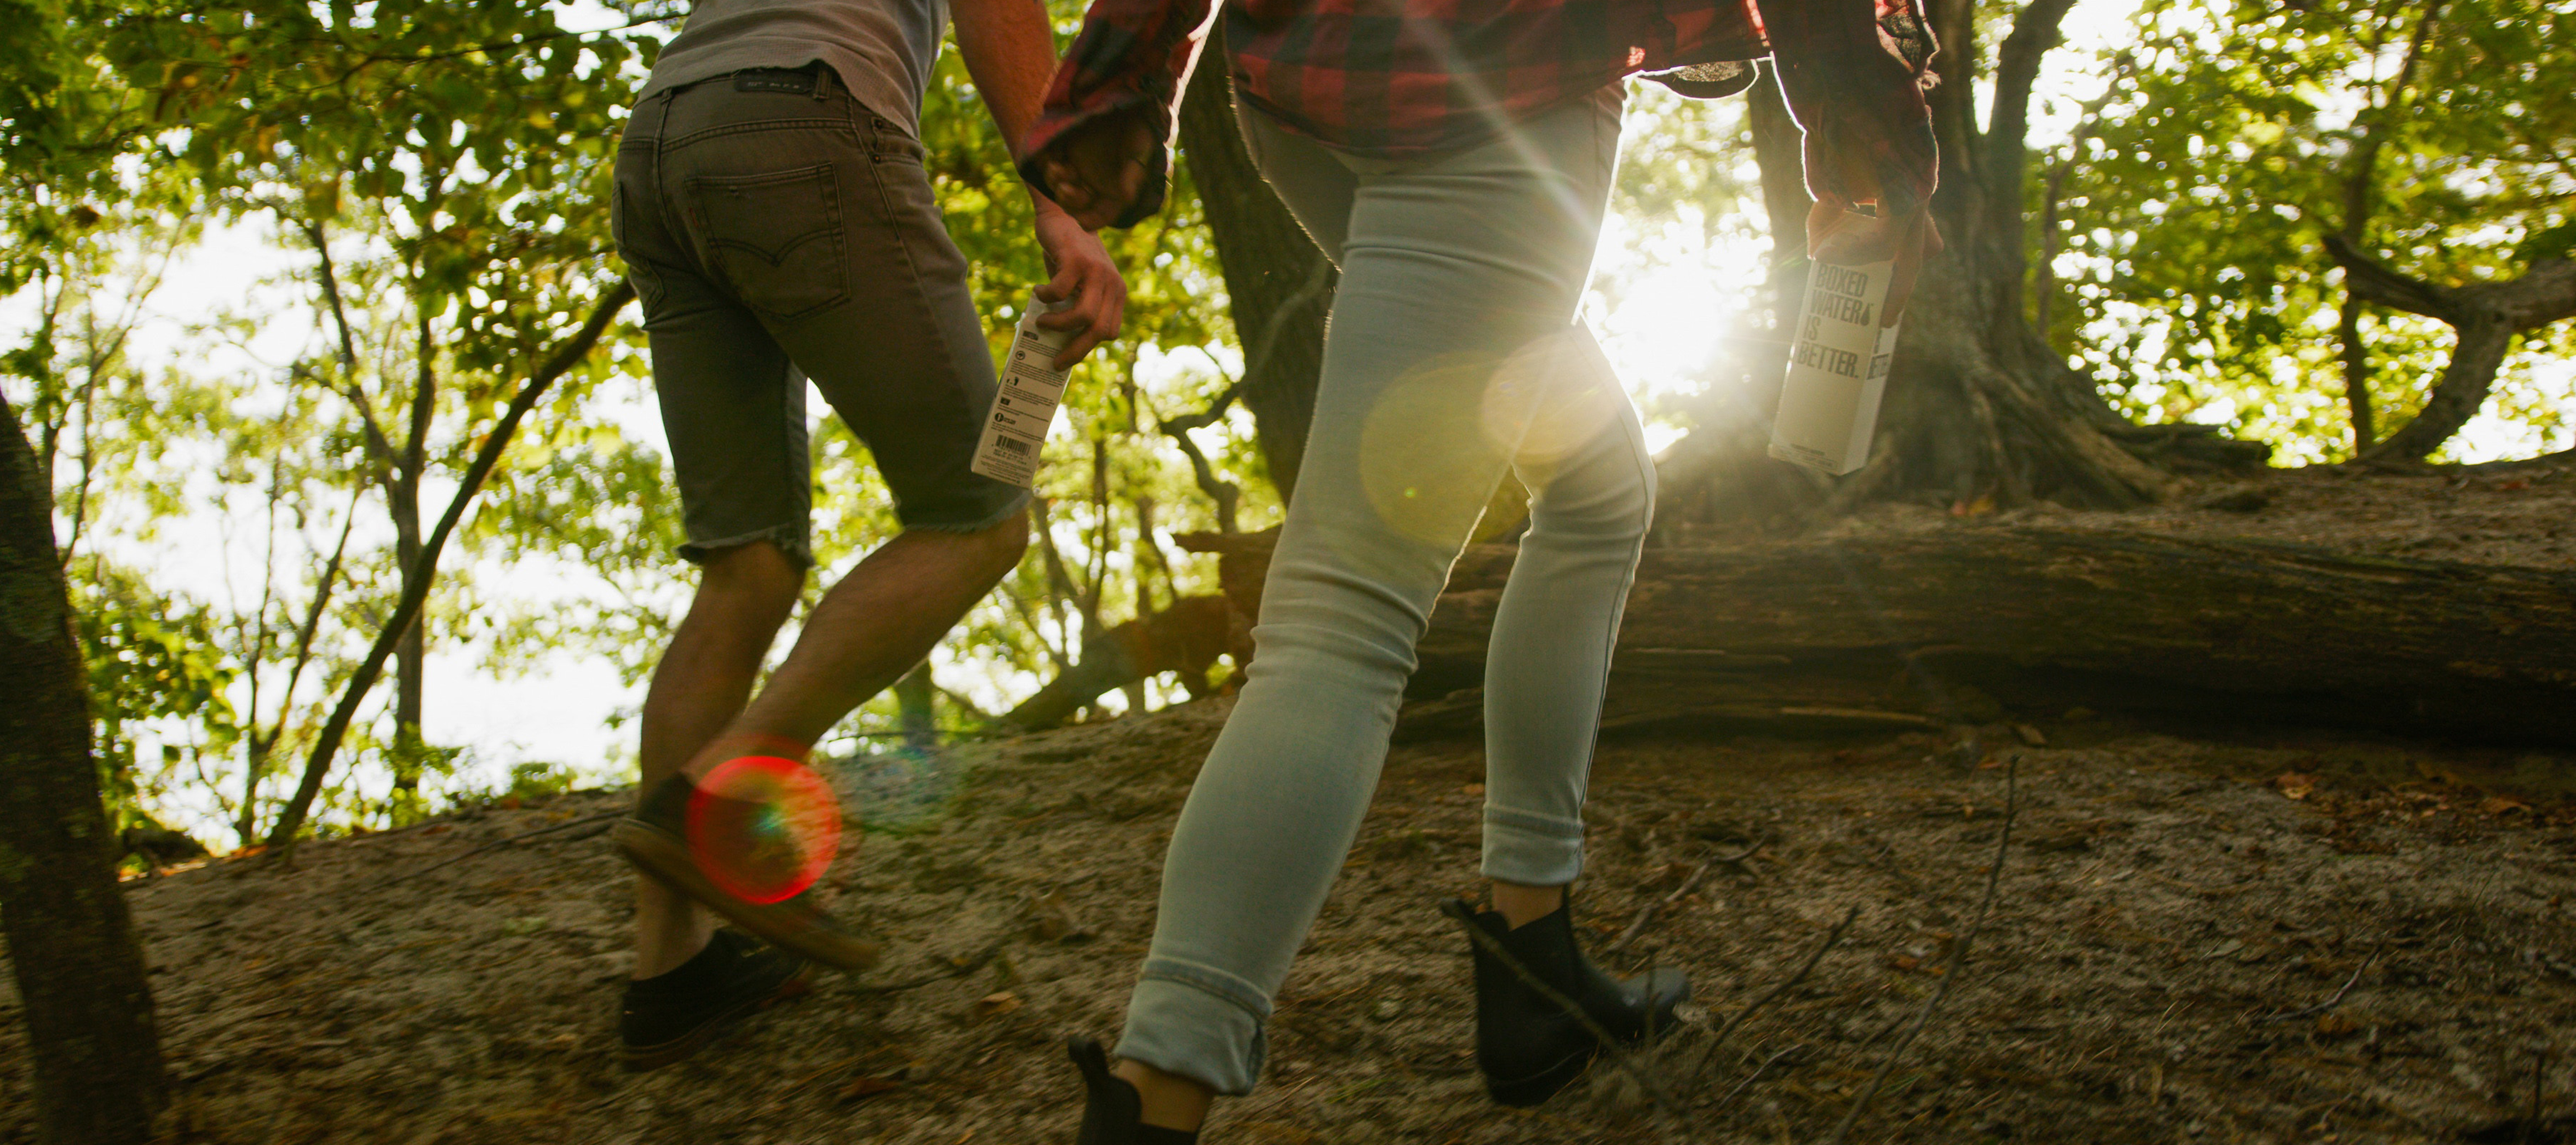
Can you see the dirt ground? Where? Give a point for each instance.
(2198, 935)
(2303, 938)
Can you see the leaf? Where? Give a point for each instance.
(2294, 785)
(997, 1004)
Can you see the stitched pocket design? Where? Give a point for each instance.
(775, 238)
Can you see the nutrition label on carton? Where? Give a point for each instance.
(1025, 404)
(1838, 362)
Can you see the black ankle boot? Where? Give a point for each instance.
(1530, 1046)
(1112, 1114)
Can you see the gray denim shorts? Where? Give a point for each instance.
(777, 230)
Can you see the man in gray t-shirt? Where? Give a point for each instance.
(882, 50)
(776, 221)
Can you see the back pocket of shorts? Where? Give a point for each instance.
(775, 238)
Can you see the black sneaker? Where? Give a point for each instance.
(667, 1018)
(652, 839)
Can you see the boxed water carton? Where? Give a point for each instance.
(1025, 403)
(1838, 360)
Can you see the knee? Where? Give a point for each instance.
(1615, 505)
(998, 549)
(752, 585)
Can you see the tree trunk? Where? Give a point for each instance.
(1951, 625)
(403, 497)
(1979, 411)
(1722, 474)
(1280, 285)
(916, 706)
(290, 818)
(80, 972)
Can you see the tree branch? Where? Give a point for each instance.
(2035, 32)
(2374, 281)
(416, 580)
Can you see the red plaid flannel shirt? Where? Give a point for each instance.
(1390, 78)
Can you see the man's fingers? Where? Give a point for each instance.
(1093, 332)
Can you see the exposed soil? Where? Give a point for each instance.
(2301, 939)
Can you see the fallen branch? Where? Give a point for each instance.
(2334, 1001)
(1647, 912)
(1832, 939)
(1466, 917)
(1950, 971)
(1757, 1073)
(962, 969)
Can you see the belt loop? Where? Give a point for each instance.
(822, 74)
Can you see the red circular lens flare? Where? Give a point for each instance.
(763, 828)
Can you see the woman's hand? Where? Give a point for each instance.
(1097, 170)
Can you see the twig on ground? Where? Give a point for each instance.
(1646, 913)
(1719, 1038)
(963, 969)
(512, 840)
(1737, 860)
(2337, 999)
(1609, 1045)
(1758, 1071)
(1949, 973)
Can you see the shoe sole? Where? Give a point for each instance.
(1534, 1090)
(657, 853)
(637, 1059)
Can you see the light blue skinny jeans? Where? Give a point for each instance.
(1452, 353)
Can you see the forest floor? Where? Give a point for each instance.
(2197, 935)
(2297, 937)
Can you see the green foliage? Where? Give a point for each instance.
(453, 161)
(149, 658)
(2193, 219)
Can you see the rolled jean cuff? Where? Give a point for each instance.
(1199, 1023)
(1532, 849)
(972, 514)
(790, 539)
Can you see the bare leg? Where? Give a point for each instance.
(1169, 1100)
(744, 594)
(882, 619)
(1521, 906)
(1176, 1102)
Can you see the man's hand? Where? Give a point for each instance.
(1079, 270)
(1097, 170)
(1835, 234)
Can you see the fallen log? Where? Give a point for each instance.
(1186, 638)
(1961, 624)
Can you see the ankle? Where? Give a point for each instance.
(734, 745)
(1522, 905)
(1166, 1101)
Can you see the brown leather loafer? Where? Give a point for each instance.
(652, 840)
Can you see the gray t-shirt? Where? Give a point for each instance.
(882, 49)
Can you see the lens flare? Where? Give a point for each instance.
(763, 828)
